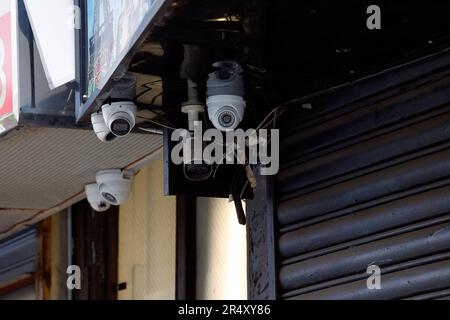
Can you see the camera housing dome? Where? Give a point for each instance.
(225, 96)
(95, 200)
(226, 112)
(120, 117)
(101, 130)
(114, 186)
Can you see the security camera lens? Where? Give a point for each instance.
(120, 127)
(109, 197)
(227, 119)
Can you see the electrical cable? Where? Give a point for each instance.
(157, 123)
(245, 188)
(143, 93)
(268, 117)
(154, 131)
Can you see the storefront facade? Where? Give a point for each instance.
(363, 178)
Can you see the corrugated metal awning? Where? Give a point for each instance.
(43, 170)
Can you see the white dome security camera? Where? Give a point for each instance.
(226, 112)
(100, 128)
(114, 186)
(95, 200)
(226, 105)
(120, 117)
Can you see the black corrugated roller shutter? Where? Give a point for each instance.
(365, 180)
(17, 256)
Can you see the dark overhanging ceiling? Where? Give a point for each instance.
(313, 45)
(310, 45)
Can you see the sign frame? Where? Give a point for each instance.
(86, 105)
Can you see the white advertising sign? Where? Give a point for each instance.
(53, 25)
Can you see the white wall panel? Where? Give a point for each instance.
(147, 226)
(221, 252)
